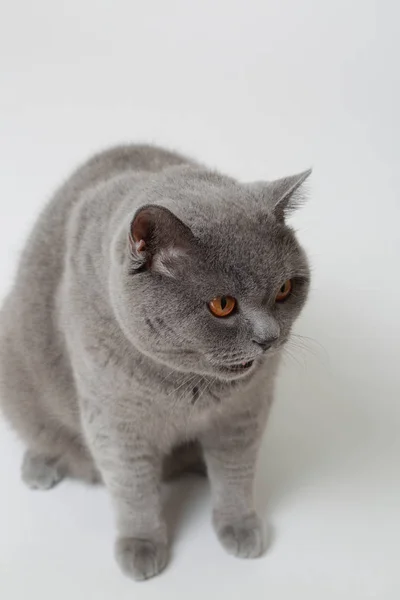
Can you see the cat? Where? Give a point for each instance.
(143, 334)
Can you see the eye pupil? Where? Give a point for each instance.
(284, 291)
(222, 306)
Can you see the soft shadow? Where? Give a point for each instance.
(183, 497)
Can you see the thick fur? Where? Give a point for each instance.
(112, 367)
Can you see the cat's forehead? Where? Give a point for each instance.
(200, 193)
(209, 203)
(249, 243)
(246, 257)
(239, 238)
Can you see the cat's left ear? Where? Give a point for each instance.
(284, 195)
(159, 241)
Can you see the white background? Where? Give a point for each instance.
(257, 89)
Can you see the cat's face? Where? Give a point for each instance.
(217, 289)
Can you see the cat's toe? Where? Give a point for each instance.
(141, 559)
(40, 472)
(244, 538)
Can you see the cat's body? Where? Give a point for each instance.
(109, 357)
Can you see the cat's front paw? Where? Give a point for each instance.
(140, 558)
(243, 537)
(40, 472)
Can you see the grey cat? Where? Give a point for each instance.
(143, 334)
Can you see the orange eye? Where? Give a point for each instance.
(222, 306)
(284, 291)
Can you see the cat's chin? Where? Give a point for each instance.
(204, 367)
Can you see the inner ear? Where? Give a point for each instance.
(159, 240)
(141, 229)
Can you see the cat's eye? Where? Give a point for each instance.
(284, 291)
(222, 306)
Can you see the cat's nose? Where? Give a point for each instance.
(266, 343)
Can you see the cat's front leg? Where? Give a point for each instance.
(131, 470)
(231, 460)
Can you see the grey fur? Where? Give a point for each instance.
(111, 365)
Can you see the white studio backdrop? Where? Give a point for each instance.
(258, 89)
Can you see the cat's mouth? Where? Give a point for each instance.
(239, 368)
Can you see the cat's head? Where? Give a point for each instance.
(212, 279)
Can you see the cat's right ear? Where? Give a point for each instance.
(284, 195)
(159, 241)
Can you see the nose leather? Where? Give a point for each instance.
(264, 344)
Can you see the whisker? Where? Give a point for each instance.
(309, 340)
(187, 390)
(287, 353)
(167, 376)
(207, 384)
(205, 388)
(304, 344)
(186, 380)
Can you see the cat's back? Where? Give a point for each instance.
(41, 261)
(28, 318)
(36, 382)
